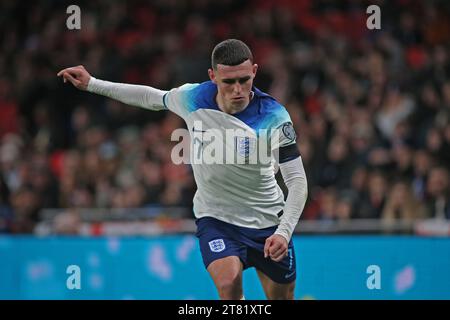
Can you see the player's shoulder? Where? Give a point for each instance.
(272, 111)
(200, 94)
(198, 88)
(189, 97)
(269, 105)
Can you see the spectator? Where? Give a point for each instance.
(422, 165)
(438, 193)
(372, 202)
(401, 204)
(336, 169)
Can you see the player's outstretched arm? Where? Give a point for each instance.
(134, 95)
(78, 76)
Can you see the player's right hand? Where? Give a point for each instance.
(78, 76)
(276, 247)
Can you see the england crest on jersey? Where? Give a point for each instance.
(217, 245)
(245, 146)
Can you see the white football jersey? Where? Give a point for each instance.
(232, 155)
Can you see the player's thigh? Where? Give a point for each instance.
(274, 290)
(226, 271)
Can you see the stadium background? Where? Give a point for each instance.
(81, 175)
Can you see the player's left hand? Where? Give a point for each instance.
(276, 247)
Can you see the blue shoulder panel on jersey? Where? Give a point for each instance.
(263, 112)
(200, 96)
(273, 115)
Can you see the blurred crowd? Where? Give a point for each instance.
(371, 107)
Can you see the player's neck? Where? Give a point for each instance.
(231, 110)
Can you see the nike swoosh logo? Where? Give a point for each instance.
(289, 275)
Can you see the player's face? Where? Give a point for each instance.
(234, 85)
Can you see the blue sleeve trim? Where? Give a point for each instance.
(164, 100)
